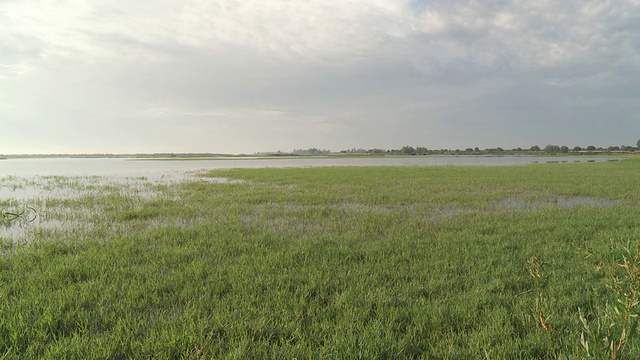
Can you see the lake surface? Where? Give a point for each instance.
(154, 169)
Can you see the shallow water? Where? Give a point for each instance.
(39, 183)
(271, 216)
(521, 204)
(163, 170)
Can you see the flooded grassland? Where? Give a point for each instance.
(529, 261)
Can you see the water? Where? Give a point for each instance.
(520, 204)
(159, 170)
(30, 178)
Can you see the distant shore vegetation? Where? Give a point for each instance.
(533, 150)
(405, 150)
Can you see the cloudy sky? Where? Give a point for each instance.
(242, 76)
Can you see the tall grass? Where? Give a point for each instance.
(383, 262)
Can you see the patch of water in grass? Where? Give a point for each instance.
(61, 187)
(216, 180)
(58, 200)
(356, 207)
(23, 228)
(521, 204)
(12, 231)
(189, 223)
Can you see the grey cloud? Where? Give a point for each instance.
(250, 76)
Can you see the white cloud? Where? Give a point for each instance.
(391, 71)
(532, 32)
(318, 30)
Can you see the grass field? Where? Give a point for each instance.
(513, 262)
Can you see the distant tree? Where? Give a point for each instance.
(421, 150)
(638, 144)
(311, 151)
(552, 149)
(408, 150)
(564, 149)
(591, 148)
(477, 149)
(577, 148)
(535, 148)
(613, 148)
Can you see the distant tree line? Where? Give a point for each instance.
(405, 150)
(535, 150)
(421, 150)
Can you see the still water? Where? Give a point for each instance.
(159, 169)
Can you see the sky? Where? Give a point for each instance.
(246, 76)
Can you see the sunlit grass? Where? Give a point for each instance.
(381, 262)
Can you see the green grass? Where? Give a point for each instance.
(380, 262)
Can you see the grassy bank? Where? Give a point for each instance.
(522, 262)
